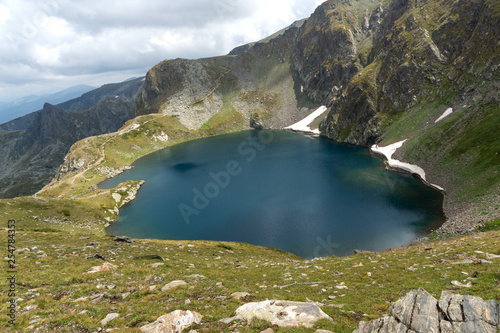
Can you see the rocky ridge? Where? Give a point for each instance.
(420, 312)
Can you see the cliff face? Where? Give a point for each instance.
(34, 146)
(411, 51)
(255, 81)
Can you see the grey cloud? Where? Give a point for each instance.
(77, 40)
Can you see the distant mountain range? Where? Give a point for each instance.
(34, 145)
(28, 104)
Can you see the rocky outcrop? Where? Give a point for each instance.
(282, 313)
(393, 58)
(419, 312)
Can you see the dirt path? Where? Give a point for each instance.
(102, 155)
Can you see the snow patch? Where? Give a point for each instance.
(445, 114)
(438, 187)
(303, 125)
(389, 150)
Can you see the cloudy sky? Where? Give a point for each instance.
(49, 45)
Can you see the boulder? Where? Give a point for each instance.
(282, 313)
(419, 312)
(174, 322)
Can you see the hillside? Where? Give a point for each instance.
(56, 294)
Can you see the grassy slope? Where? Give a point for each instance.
(53, 284)
(459, 153)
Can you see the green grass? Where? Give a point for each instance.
(467, 146)
(51, 277)
(490, 225)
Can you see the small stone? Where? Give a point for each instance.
(173, 284)
(268, 330)
(322, 331)
(158, 264)
(458, 284)
(282, 313)
(104, 267)
(109, 318)
(123, 239)
(196, 276)
(239, 295)
(341, 286)
(97, 256)
(175, 321)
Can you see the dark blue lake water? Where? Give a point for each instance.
(309, 196)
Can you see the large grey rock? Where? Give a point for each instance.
(422, 310)
(174, 322)
(418, 311)
(282, 313)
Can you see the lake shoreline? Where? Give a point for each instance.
(348, 244)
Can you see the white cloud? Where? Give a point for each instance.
(47, 43)
(4, 13)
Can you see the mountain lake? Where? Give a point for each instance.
(306, 195)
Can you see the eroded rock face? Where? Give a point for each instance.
(174, 322)
(282, 313)
(418, 311)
